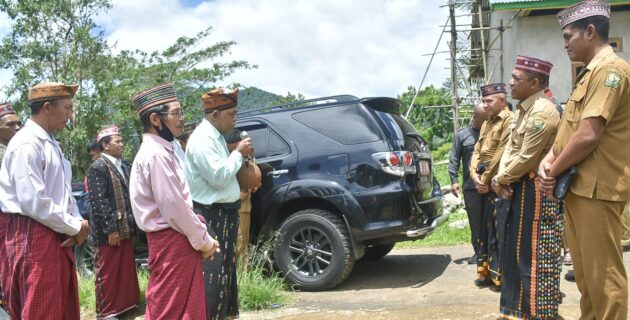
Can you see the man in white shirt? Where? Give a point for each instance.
(44, 221)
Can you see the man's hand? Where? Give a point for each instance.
(210, 253)
(481, 188)
(505, 192)
(80, 237)
(547, 182)
(113, 239)
(245, 147)
(455, 189)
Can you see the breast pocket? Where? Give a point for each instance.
(495, 138)
(572, 111)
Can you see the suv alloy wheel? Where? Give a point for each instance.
(313, 250)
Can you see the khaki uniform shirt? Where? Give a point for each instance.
(602, 90)
(536, 125)
(493, 137)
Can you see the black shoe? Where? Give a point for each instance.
(495, 288)
(569, 276)
(473, 259)
(483, 282)
(626, 248)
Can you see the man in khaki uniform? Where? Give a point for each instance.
(593, 135)
(530, 223)
(493, 137)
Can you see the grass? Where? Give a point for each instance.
(258, 288)
(443, 235)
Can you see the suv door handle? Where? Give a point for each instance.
(277, 173)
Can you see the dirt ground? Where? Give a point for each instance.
(431, 283)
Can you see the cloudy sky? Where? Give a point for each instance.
(317, 48)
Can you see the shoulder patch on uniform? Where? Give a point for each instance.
(612, 79)
(537, 122)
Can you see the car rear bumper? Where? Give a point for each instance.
(431, 215)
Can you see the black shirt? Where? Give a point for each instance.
(463, 147)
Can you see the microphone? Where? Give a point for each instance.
(245, 135)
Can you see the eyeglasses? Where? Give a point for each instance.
(177, 114)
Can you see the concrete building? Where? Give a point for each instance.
(530, 28)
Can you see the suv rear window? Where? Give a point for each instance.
(349, 124)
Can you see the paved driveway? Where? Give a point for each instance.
(431, 283)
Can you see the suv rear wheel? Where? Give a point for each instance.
(313, 250)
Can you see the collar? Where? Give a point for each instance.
(113, 160)
(153, 138)
(38, 131)
(529, 102)
(502, 115)
(603, 53)
(210, 129)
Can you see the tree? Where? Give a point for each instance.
(434, 123)
(57, 40)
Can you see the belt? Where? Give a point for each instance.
(226, 205)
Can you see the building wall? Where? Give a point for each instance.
(541, 37)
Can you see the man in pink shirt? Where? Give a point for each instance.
(162, 207)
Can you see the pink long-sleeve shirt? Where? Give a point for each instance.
(160, 196)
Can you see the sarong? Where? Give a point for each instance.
(4, 219)
(220, 273)
(532, 259)
(488, 258)
(175, 289)
(115, 281)
(42, 280)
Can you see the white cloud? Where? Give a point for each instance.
(326, 47)
(317, 48)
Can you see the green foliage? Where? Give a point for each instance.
(434, 124)
(259, 288)
(57, 40)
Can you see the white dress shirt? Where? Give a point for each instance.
(35, 181)
(117, 163)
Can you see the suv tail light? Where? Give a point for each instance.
(397, 163)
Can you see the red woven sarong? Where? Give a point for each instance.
(116, 281)
(175, 289)
(4, 219)
(42, 278)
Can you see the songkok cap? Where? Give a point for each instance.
(533, 65)
(189, 127)
(155, 96)
(6, 108)
(51, 91)
(219, 99)
(491, 89)
(106, 132)
(583, 9)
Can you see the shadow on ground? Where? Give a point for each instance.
(396, 271)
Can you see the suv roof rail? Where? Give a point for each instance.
(316, 101)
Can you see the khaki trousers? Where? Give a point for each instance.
(625, 231)
(594, 238)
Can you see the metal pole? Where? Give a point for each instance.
(501, 47)
(451, 8)
(426, 71)
(483, 42)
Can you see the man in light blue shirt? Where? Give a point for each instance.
(211, 173)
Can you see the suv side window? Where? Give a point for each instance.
(267, 143)
(349, 124)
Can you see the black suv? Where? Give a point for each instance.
(343, 179)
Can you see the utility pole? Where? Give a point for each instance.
(454, 97)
